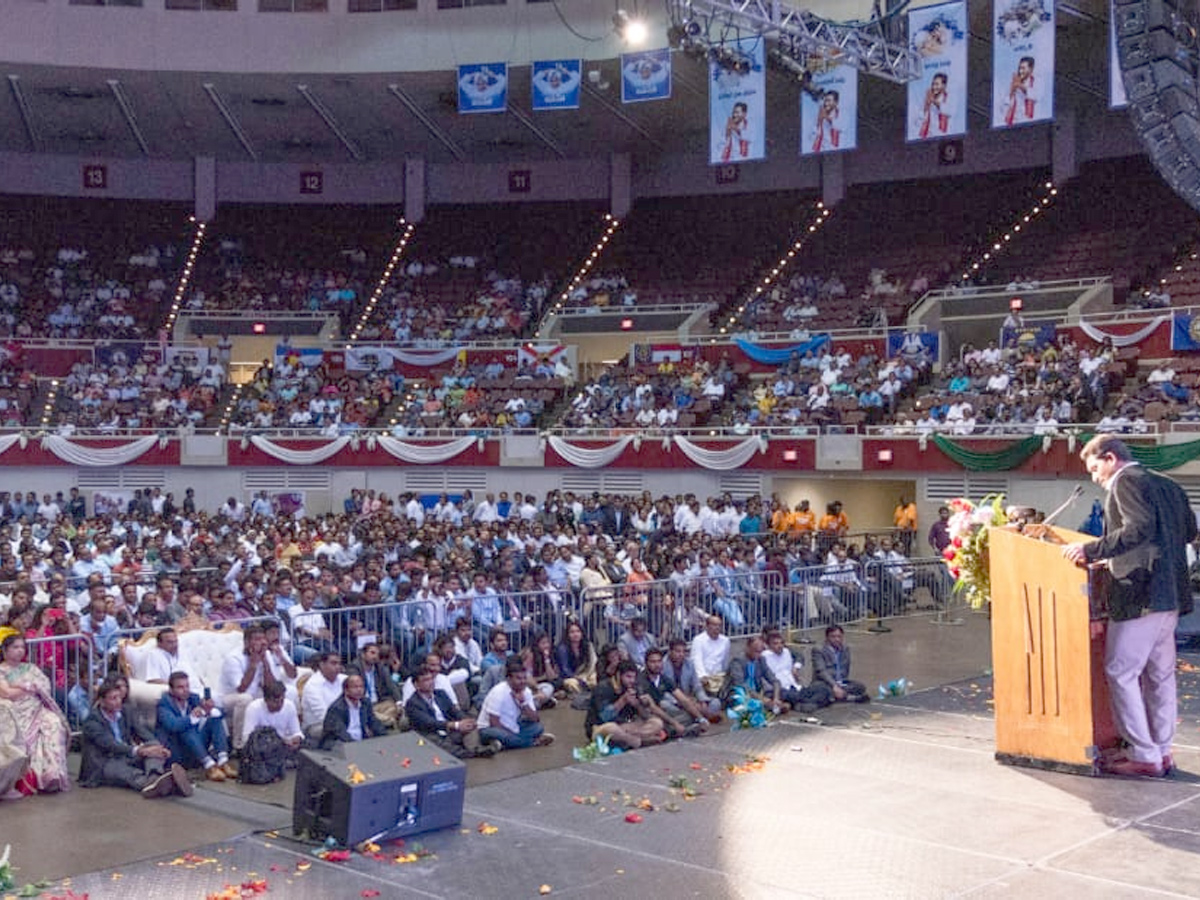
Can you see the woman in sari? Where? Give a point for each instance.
(41, 727)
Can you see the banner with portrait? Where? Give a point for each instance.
(829, 112)
(1022, 62)
(737, 103)
(1116, 83)
(646, 76)
(937, 100)
(482, 88)
(556, 83)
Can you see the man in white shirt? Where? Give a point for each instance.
(414, 511)
(164, 659)
(324, 687)
(243, 676)
(485, 511)
(710, 656)
(786, 670)
(273, 710)
(509, 713)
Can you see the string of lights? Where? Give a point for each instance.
(1001, 243)
(384, 278)
(185, 277)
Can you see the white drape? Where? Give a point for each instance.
(1122, 340)
(424, 454)
(80, 455)
(587, 457)
(299, 457)
(7, 441)
(722, 460)
(426, 357)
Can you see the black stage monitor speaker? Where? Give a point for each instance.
(381, 789)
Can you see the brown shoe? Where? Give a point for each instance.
(160, 785)
(1168, 764)
(182, 783)
(230, 770)
(1134, 768)
(545, 739)
(214, 773)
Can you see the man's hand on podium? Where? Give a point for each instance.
(1074, 552)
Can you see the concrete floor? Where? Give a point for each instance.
(891, 799)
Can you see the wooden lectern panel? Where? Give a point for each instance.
(1046, 687)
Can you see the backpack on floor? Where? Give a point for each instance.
(264, 757)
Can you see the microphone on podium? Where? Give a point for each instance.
(1043, 527)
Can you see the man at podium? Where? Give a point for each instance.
(1147, 527)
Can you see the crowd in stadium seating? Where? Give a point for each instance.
(288, 394)
(483, 397)
(72, 294)
(138, 395)
(435, 304)
(659, 396)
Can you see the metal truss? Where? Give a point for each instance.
(797, 33)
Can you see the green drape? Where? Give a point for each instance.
(1159, 457)
(1000, 461)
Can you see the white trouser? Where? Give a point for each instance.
(1139, 660)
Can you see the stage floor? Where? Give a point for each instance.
(893, 799)
(891, 802)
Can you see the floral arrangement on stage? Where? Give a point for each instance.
(967, 553)
(746, 711)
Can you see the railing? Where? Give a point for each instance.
(70, 663)
(993, 291)
(855, 591)
(746, 601)
(617, 310)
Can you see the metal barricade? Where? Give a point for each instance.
(747, 602)
(69, 661)
(821, 595)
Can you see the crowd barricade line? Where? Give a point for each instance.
(70, 662)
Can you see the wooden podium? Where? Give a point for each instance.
(1051, 697)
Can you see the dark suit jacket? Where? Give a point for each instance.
(422, 718)
(385, 688)
(1147, 526)
(337, 723)
(824, 665)
(101, 745)
(610, 525)
(765, 678)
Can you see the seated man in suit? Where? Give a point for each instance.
(831, 666)
(751, 673)
(349, 718)
(118, 753)
(193, 729)
(434, 713)
(383, 693)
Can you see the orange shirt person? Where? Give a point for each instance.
(804, 520)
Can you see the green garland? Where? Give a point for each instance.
(1000, 461)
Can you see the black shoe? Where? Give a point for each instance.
(183, 784)
(807, 708)
(862, 698)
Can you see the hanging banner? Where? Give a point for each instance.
(646, 76)
(937, 101)
(1022, 62)
(308, 357)
(556, 84)
(737, 104)
(1185, 332)
(483, 88)
(829, 112)
(1116, 84)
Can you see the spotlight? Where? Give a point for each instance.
(632, 31)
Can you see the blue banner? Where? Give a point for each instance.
(646, 76)
(1185, 332)
(831, 122)
(773, 356)
(556, 84)
(483, 88)
(737, 103)
(937, 101)
(913, 344)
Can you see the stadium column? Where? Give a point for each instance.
(1065, 149)
(833, 179)
(204, 188)
(620, 187)
(414, 189)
